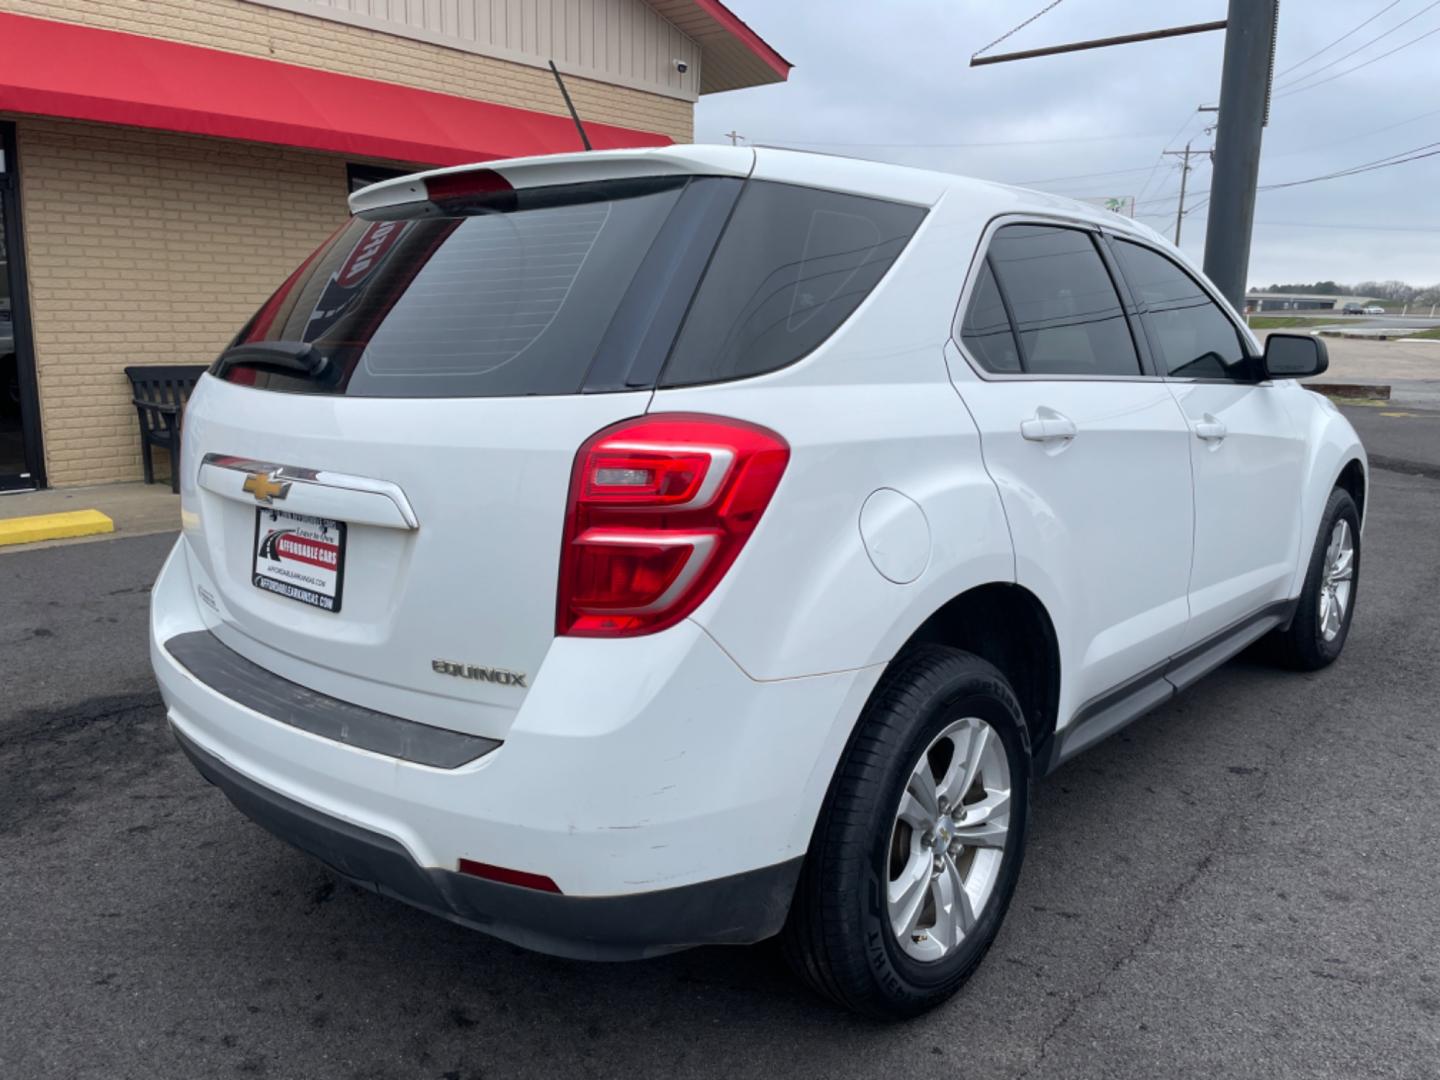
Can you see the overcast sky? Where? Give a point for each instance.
(894, 72)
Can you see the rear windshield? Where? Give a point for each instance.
(584, 287)
(489, 302)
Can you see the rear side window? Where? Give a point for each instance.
(502, 297)
(1188, 331)
(986, 329)
(1067, 314)
(792, 265)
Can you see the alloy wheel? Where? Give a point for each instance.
(1337, 580)
(948, 839)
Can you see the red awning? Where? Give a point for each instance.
(81, 73)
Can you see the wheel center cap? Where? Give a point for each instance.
(942, 834)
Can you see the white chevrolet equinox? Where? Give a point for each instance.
(625, 551)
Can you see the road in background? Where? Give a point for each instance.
(1241, 885)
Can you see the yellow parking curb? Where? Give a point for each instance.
(29, 530)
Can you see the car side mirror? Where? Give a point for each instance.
(1294, 356)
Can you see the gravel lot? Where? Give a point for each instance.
(1242, 885)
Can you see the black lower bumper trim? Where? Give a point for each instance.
(735, 910)
(229, 674)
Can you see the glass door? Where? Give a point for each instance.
(21, 459)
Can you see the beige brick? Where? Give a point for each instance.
(151, 247)
(137, 256)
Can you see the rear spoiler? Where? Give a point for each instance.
(565, 169)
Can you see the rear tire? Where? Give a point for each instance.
(1317, 633)
(891, 848)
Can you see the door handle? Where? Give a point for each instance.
(1047, 425)
(1210, 429)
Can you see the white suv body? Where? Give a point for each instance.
(957, 469)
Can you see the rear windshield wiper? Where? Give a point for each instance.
(289, 357)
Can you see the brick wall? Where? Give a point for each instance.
(352, 50)
(146, 247)
(149, 247)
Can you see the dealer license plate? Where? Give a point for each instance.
(299, 557)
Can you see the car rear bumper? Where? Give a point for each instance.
(737, 909)
(667, 795)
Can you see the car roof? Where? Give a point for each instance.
(926, 186)
(877, 179)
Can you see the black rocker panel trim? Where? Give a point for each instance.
(1107, 713)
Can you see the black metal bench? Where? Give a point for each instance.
(159, 392)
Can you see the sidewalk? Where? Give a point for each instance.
(131, 509)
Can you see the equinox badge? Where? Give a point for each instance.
(480, 674)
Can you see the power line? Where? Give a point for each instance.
(1355, 138)
(1364, 166)
(1160, 158)
(1342, 37)
(969, 145)
(1347, 225)
(1415, 153)
(1293, 88)
(1078, 176)
(1359, 49)
(1016, 29)
(1353, 172)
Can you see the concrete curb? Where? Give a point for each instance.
(63, 526)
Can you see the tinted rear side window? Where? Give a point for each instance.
(1186, 328)
(1067, 313)
(503, 297)
(986, 330)
(792, 265)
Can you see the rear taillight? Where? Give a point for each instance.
(659, 508)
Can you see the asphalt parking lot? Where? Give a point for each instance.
(1243, 885)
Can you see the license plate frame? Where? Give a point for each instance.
(291, 554)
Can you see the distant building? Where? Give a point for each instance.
(1301, 302)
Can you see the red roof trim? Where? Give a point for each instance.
(737, 29)
(61, 69)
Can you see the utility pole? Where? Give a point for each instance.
(1184, 175)
(1244, 110)
(734, 137)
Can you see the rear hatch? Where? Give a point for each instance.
(383, 457)
(384, 453)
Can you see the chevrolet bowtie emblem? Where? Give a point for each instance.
(265, 487)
